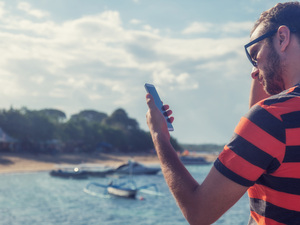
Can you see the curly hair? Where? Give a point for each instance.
(287, 14)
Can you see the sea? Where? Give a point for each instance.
(38, 198)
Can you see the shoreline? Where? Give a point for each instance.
(26, 162)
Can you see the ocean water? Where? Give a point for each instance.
(38, 198)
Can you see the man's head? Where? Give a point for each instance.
(287, 14)
(270, 49)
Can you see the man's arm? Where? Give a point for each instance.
(200, 204)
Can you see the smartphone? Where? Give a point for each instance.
(150, 88)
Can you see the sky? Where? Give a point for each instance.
(74, 55)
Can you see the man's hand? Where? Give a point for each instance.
(155, 119)
(257, 92)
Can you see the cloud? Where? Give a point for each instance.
(135, 21)
(209, 28)
(165, 77)
(26, 7)
(2, 10)
(199, 48)
(197, 27)
(234, 27)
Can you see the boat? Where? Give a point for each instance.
(92, 170)
(193, 160)
(135, 168)
(82, 171)
(121, 191)
(73, 173)
(126, 189)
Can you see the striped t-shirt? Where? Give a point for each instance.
(264, 154)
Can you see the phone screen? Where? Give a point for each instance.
(150, 88)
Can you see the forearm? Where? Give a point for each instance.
(200, 204)
(182, 185)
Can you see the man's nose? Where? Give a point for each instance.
(254, 72)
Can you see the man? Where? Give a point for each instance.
(263, 156)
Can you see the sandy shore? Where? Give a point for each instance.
(15, 163)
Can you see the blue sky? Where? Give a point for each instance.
(73, 55)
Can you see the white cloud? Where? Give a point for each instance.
(165, 77)
(10, 87)
(201, 48)
(102, 40)
(37, 79)
(228, 28)
(26, 7)
(237, 27)
(2, 10)
(197, 27)
(135, 21)
(58, 93)
(150, 29)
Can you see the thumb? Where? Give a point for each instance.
(150, 101)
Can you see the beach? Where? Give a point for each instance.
(17, 163)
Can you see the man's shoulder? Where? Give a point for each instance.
(282, 97)
(271, 110)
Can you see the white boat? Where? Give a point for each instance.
(134, 168)
(121, 192)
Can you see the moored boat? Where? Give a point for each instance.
(135, 168)
(67, 173)
(121, 192)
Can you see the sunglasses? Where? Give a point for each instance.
(262, 37)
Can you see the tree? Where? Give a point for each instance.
(26, 124)
(83, 131)
(54, 115)
(90, 116)
(119, 119)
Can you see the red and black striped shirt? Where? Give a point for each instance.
(264, 154)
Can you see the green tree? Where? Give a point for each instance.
(90, 116)
(26, 124)
(54, 115)
(13, 122)
(120, 120)
(40, 128)
(83, 131)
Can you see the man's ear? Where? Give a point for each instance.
(283, 35)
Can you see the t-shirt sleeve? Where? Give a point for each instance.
(256, 147)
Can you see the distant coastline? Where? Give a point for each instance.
(18, 163)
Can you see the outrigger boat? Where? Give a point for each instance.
(125, 190)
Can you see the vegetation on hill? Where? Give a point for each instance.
(49, 130)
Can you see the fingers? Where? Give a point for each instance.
(150, 101)
(168, 113)
(165, 107)
(171, 119)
